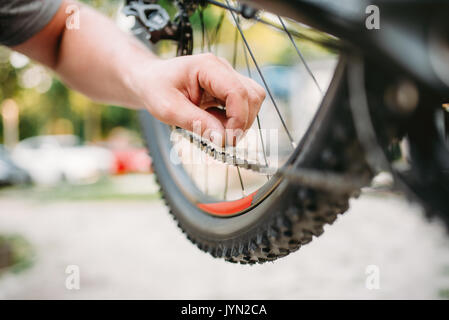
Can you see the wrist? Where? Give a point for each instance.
(136, 76)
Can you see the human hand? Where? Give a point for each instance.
(186, 91)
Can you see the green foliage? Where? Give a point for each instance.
(108, 7)
(210, 18)
(443, 293)
(41, 109)
(119, 117)
(16, 254)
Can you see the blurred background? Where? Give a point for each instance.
(76, 188)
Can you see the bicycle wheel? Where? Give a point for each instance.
(227, 209)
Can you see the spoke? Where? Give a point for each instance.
(241, 182)
(263, 144)
(205, 38)
(206, 177)
(234, 64)
(248, 69)
(193, 168)
(306, 65)
(225, 196)
(234, 56)
(217, 32)
(192, 157)
(203, 28)
(222, 5)
(292, 142)
(191, 161)
(205, 34)
(330, 42)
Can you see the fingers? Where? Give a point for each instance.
(207, 101)
(256, 96)
(225, 84)
(180, 111)
(187, 95)
(241, 96)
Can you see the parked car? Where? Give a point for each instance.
(10, 173)
(131, 160)
(52, 159)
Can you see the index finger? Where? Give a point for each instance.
(225, 84)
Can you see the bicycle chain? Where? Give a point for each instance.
(324, 180)
(221, 154)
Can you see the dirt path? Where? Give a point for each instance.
(132, 249)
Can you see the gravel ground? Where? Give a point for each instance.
(133, 249)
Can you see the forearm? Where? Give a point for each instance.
(97, 59)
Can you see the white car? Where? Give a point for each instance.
(52, 159)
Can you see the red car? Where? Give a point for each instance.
(131, 160)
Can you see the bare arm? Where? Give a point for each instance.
(95, 59)
(108, 65)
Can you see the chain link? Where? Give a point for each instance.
(225, 155)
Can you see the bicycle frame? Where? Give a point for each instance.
(413, 37)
